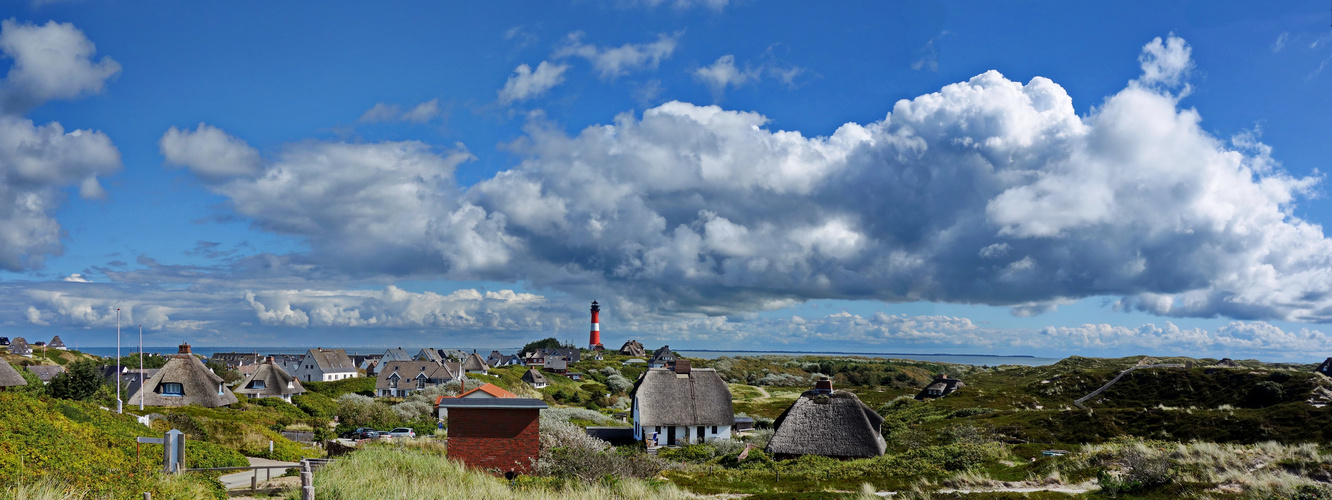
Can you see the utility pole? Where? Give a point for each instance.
(120, 405)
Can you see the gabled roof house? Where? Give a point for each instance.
(269, 380)
(662, 357)
(681, 406)
(324, 365)
(183, 381)
(828, 423)
(56, 343)
(941, 386)
(400, 378)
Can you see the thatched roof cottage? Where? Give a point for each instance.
(474, 364)
(9, 377)
(56, 343)
(19, 346)
(633, 348)
(183, 381)
(1229, 363)
(941, 386)
(534, 378)
(46, 372)
(269, 380)
(681, 406)
(828, 423)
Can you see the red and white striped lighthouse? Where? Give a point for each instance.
(594, 340)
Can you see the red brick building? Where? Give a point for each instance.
(496, 434)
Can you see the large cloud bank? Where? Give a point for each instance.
(51, 61)
(989, 191)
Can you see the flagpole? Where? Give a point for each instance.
(140, 368)
(120, 406)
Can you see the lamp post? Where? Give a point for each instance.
(120, 406)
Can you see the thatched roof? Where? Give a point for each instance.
(270, 380)
(700, 397)
(1227, 363)
(474, 363)
(833, 425)
(534, 377)
(199, 384)
(633, 348)
(9, 377)
(20, 347)
(56, 343)
(46, 372)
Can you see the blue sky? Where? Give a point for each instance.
(1104, 179)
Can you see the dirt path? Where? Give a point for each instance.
(242, 478)
(762, 391)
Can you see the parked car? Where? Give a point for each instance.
(362, 433)
(402, 432)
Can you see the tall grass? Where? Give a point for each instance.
(407, 473)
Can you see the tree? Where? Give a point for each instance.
(79, 382)
(546, 343)
(229, 375)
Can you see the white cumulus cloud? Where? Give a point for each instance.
(209, 152)
(527, 83)
(613, 62)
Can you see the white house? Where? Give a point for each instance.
(681, 406)
(324, 365)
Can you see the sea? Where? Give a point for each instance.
(963, 359)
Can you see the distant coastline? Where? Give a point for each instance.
(873, 354)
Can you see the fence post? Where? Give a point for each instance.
(147, 495)
(307, 481)
(254, 481)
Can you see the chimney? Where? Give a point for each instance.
(823, 386)
(184, 349)
(682, 367)
(268, 360)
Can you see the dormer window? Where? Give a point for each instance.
(393, 381)
(173, 389)
(291, 385)
(256, 384)
(220, 388)
(420, 381)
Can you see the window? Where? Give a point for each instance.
(714, 429)
(220, 388)
(173, 389)
(393, 381)
(420, 382)
(256, 384)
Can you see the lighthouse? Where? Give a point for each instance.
(594, 339)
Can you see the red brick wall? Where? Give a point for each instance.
(491, 438)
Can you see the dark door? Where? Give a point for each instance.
(670, 435)
(700, 434)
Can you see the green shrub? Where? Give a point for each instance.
(316, 404)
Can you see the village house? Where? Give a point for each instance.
(681, 406)
(556, 364)
(269, 380)
(494, 433)
(56, 343)
(1325, 368)
(235, 360)
(662, 358)
(828, 423)
(399, 378)
(183, 381)
(19, 347)
(324, 365)
(4, 341)
(429, 354)
(633, 348)
(941, 386)
(534, 378)
(46, 372)
(474, 364)
(9, 377)
(496, 359)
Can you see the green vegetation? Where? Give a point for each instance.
(80, 381)
(59, 445)
(426, 473)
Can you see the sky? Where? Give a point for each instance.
(1099, 179)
